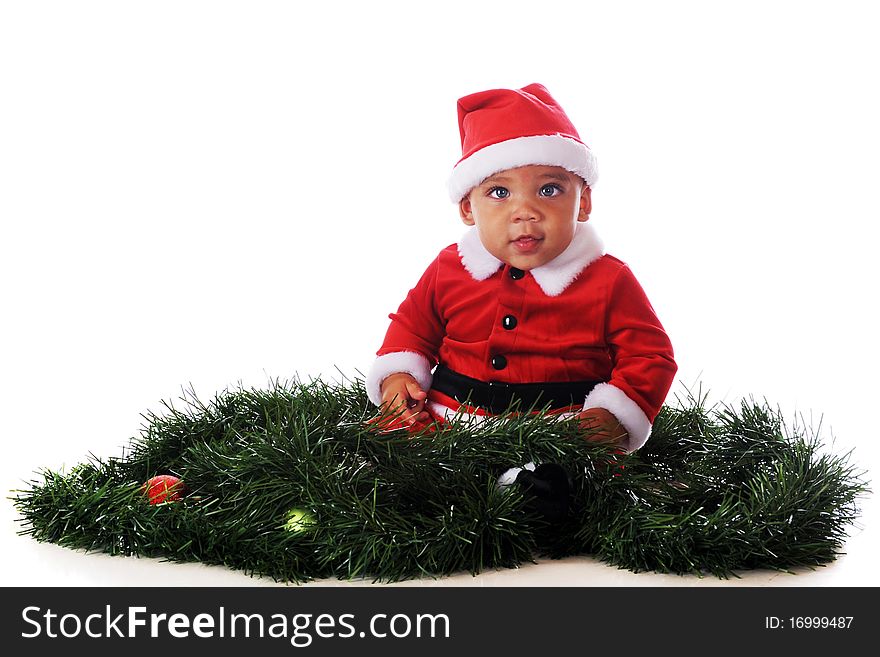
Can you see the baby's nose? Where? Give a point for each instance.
(524, 212)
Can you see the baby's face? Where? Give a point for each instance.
(526, 216)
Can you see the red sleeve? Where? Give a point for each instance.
(417, 325)
(643, 363)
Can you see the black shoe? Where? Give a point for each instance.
(549, 488)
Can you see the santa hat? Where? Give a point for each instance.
(506, 128)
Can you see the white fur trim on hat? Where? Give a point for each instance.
(548, 150)
(627, 412)
(393, 363)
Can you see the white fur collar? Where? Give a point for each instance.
(554, 276)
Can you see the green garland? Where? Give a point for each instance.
(715, 490)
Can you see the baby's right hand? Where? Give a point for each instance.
(403, 397)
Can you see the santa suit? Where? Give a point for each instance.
(581, 316)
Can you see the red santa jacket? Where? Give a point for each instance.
(582, 316)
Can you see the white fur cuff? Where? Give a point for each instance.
(628, 413)
(393, 363)
(508, 477)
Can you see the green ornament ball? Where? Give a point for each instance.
(299, 521)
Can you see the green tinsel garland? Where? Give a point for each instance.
(714, 490)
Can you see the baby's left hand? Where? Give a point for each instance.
(602, 426)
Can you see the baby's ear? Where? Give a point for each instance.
(465, 211)
(586, 204)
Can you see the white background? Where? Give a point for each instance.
(212, 193)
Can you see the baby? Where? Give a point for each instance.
(527, 306)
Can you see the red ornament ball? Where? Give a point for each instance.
(163, 488)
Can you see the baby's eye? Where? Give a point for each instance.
(550, 189)
(499, 192)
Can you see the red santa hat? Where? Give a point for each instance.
(507, 128)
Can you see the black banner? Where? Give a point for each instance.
(432, 621)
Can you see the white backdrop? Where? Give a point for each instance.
(212, 193)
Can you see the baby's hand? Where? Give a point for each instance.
(403, 396)
(602, 426)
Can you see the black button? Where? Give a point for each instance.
(516, 274)
(499, 362)
(509, 322)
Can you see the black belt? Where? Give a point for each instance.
(498, 397)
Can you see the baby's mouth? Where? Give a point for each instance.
(526, 243)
